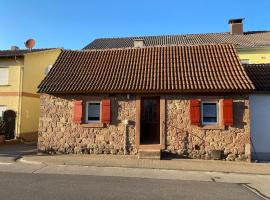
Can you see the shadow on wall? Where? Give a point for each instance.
(238, 113)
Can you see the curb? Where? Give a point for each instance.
(30, 162)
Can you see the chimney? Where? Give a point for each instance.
(236, 26)
(138, 43)
(14, 48)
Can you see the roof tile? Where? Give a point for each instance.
(149, 69)
(246, 40)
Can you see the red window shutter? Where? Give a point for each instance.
(77, 111)
(195, 112)
(228, 112)
(106, 111)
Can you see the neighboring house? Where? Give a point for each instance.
(253, 47)
(20, 73)
(260, 110)
(187, 100)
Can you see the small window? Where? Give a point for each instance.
(245, 61)
(4, 76)
(93, 112)
(209, 112)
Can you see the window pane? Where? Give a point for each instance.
(3, 76)
(93, 111)
(209, 112)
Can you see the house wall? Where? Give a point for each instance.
(255, 56)
(260, 126)
(9, 94)
(33, 73)
(58, 132)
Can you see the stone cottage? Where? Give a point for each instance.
(191, 101)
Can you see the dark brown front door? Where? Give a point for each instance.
(150, 120)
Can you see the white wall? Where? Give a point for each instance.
(260, 125)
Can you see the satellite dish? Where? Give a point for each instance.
(30, 43)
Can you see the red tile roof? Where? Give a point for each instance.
(149, 69)
(259, 74)
(246, 40)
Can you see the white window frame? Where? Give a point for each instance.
(7, 83)
(4, 110)
(217, 105)
(245, 61)
(86, 116)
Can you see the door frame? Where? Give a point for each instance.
(161, 144)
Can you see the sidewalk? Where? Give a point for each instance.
(134, 162)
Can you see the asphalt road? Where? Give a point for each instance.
(25, 186)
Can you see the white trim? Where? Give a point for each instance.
(217, 105)
(86, 116)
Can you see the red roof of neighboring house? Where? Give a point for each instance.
(204, 68)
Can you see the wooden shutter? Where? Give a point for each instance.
(77, 111)
(106, 111)
(195, 112)
(228, 112)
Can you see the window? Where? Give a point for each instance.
(245, 61)
(210, 112)
(93, 111)
(2, 110)
(4, 76)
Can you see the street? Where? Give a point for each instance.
(50, 186)
(24, 176)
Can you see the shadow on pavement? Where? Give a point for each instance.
(18, 150)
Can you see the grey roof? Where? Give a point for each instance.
(18, 52)
(259, 74)
(247, 40)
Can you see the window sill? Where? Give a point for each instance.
(5, 85)
(93, 125)
(213, 127)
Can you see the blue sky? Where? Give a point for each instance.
(74, 23)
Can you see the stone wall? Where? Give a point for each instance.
(196, 142)
(59, 134)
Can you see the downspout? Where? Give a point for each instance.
(18, 126)
(125, 136)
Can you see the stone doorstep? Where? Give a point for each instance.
(149, 154)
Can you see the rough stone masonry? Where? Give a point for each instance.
(59, 134)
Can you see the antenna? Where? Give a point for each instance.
(29, 44)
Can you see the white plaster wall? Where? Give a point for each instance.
(260, 125)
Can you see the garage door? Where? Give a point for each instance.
(260, 126)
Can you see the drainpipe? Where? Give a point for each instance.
(125, 136)
(18, 120)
